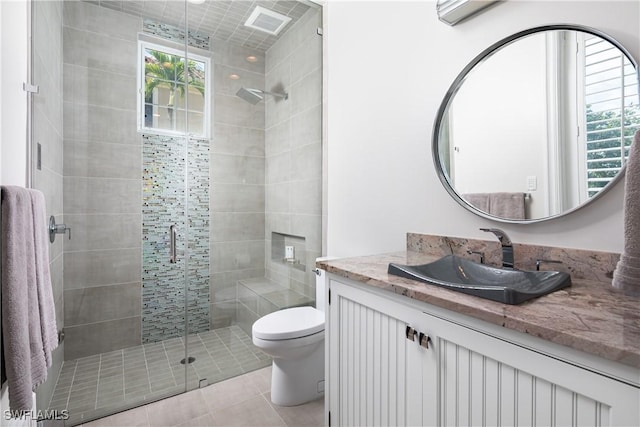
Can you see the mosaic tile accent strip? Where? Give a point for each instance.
(198, 235)
(176, 34)
(165, 203)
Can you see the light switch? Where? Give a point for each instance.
(532, 183)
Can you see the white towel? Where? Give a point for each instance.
(27, 342)
(626, 276)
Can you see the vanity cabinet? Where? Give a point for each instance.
(376, 375)
(381, 373)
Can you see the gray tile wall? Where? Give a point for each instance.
(102, 181)
(237, 180)
(47, 130)
(293, 166)
(265, 163)
(293, 150)
(103, 171)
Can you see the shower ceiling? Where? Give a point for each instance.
(221, 19)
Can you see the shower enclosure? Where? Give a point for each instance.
(193, 212)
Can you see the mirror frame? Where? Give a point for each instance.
(455, 86)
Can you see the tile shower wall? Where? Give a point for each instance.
(102, 181)
(103, 170)
(293, 150)
(237, 180)
(293, 172)
(47, 131)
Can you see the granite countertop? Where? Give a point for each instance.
(588, 316)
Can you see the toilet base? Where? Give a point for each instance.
(298, 381)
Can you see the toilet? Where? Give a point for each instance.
(294, 338)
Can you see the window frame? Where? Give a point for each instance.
(171, 48)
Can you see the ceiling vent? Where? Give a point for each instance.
(267, 20)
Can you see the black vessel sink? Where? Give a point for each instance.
(498, 284)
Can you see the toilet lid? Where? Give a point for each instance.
(290, 323)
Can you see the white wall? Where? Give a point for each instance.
(13, 107)
(388, 66)
(13, 100)
(499, 124)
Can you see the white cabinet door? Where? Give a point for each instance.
(376, 374)
(484, 380)
(467, 376)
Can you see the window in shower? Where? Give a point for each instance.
(171, 85)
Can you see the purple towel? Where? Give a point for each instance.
(26, 295)
(43, 276)
(626, 276)
(507, 205)
(503, 205)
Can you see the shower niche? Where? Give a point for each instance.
(288, 250)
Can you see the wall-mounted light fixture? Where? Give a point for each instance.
(454, 11)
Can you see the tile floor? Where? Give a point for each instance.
(108, 382)
(240, 401)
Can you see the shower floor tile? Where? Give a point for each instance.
(100, 384)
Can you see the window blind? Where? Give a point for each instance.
(612, 115)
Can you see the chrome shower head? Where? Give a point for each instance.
(253, 96)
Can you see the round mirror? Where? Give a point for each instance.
(538, 125)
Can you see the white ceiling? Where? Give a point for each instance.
(221, 19)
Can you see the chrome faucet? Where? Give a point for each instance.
(507, 248)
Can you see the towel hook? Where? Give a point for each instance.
(57, 229)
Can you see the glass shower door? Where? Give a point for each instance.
(120, 187)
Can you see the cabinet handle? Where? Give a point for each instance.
(424, 340)
(410, 333)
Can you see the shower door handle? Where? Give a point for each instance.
(173, 232)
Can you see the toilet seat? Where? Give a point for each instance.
(288, 324)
